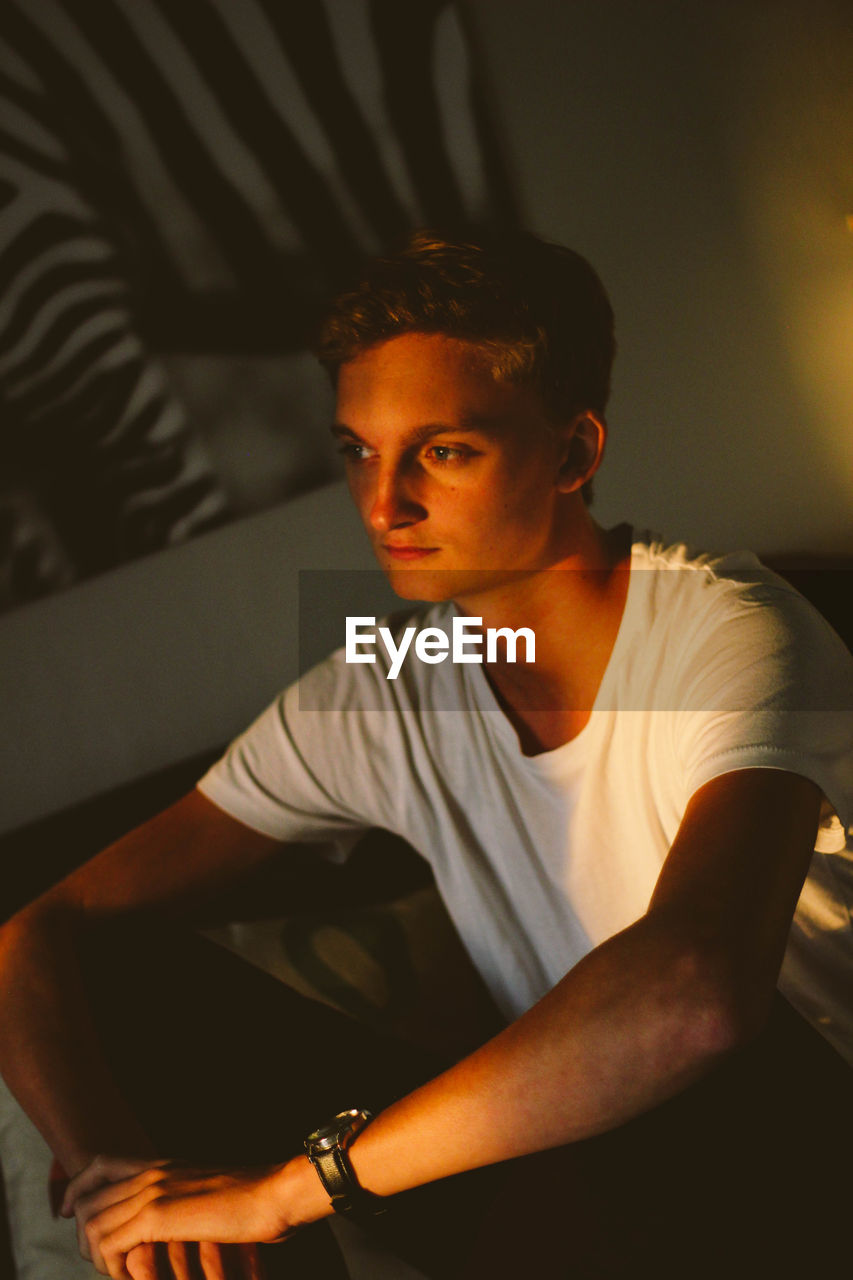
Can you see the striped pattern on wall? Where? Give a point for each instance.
(195, 177)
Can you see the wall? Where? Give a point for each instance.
(169, 657)
(699, 154)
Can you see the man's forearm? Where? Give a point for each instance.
(633, 1024)
(49, 1052)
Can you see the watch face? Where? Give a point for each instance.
(329, 1135)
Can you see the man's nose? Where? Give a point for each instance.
(395, 501)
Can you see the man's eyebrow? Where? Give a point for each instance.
(485, 426)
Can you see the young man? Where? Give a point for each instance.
(621, 827)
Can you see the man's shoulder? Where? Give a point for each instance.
(698, 616)
(652, 551)
(714, 582)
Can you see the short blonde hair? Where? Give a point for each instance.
(537, 310)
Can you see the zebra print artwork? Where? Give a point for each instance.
(182, 184)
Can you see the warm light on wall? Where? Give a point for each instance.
(794, 146)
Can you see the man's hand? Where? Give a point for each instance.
(179, 1261)
(125, 1206)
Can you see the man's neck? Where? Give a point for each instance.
(574, 609)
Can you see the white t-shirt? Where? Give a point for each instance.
(718, 665)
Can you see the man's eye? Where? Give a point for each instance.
(353, 452)
(446, 453)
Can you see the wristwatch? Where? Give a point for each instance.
(327, 1150)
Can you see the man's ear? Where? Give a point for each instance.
(584, 439)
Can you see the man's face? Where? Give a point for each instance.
(454, 474)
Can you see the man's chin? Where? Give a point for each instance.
(435, 585)
(429, 585)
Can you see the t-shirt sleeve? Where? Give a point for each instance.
(771, 686)
(320, 764)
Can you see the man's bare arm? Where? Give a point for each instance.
(48, 1050)
(643, 1015)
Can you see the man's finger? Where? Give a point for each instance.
(179, 1260)
(82, 1240)
(255, 1269)
(113, 1193)
(101, 1171)
(231, 1262)
(212, 1258)
(104, 1233)
(142, 1264)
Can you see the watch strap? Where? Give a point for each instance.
(327, 1151)
(347, 1195)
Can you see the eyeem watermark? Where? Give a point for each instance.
(432, 644)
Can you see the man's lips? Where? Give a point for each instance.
(407, 553)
